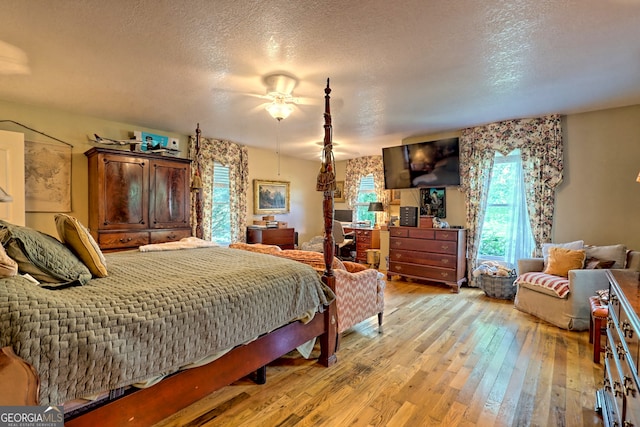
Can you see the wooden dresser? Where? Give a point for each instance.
(619, 399)
(366, 238)
(433, 254)
(283, 237)
(137, 198)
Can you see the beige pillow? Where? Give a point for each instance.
(8, 267)
(561, 260)
(76, 236)
(616, 253)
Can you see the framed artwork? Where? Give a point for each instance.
(395, 197)
(338, 195)
(270, 197)
(47, 176)
(433, 201)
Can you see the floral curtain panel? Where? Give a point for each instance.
(236, 158)
(360, 167)
(540, 144)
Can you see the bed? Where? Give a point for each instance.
(161, 316)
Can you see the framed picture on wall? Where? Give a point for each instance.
(270, 197)
(433, 201)
(338, 195)
(395, 197)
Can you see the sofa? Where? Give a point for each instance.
(359, 290)
(564, 301)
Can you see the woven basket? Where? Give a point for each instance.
(498, 286)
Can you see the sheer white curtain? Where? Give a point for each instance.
(519, 243)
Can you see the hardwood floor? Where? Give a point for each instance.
(443, 359)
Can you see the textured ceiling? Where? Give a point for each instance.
(397, 69)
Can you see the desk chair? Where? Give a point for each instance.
(345, 243)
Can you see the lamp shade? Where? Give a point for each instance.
(4, 197)
(376, 207)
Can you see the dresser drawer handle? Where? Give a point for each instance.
(617, 389)
(397, 268)
(397, 243)
(443, 274)
(620, 351)
(626, 328)
(628, 386)
(444, 261)
(125, 239)
(444, 247)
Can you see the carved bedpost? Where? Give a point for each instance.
(327, 184)
(196, 187)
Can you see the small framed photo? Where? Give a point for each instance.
(395, 197)
(338, 194)
(270, 197)
(433, 202)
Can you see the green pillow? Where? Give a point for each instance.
(42, 256)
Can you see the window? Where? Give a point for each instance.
(366, 195)
(220, 209)
(506, 232)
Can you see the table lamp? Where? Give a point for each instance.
(376, 207)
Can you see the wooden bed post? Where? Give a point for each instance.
(327, 184)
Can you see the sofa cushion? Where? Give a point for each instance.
(547, 283)
(596, 264)
(617, 253)
(561, 260)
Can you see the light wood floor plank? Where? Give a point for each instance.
(444, 359)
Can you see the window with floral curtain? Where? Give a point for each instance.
(210, 157)
(359, 168)
(541, 151)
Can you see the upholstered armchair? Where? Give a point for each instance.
(359, 290)
(564, 301)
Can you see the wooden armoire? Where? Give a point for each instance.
(137, 198)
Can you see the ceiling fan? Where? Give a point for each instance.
(280, 88)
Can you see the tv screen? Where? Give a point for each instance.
(423, 164)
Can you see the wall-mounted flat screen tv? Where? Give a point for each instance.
(422, 164)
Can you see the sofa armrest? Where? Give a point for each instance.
(526, 265)
(582, 285)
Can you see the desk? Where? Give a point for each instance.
(283, 237)
(366, 238)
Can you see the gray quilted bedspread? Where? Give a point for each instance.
(156, 312)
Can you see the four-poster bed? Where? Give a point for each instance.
(147, 406)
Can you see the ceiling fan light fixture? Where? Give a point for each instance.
(279, 109)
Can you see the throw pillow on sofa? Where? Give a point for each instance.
(561, 260)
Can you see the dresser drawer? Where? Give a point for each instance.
(442, 247)
(629, 337)
(422, 233)
(169, 235)
(451, 235)
(424, 258)
(423, 271)
(398, 232)
(122, 240)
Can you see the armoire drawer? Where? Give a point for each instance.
(122, 240)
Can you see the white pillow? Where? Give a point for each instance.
(577, 245)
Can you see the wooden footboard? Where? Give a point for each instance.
(148, 406)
